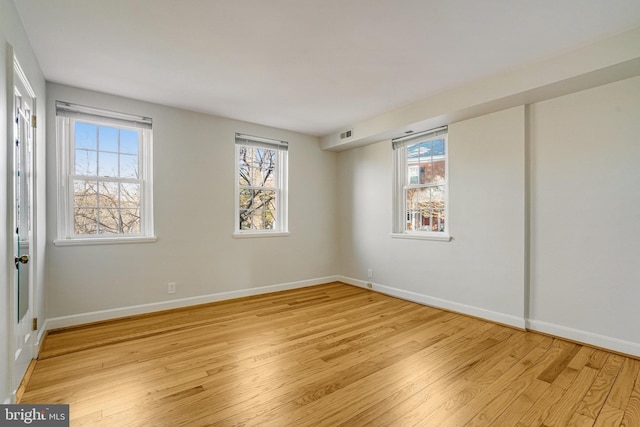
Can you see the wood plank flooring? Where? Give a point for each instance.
(328, 355)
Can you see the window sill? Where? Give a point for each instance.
(248, 235)
(441, 237)
(104, 241)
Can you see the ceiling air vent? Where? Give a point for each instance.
(346, 134)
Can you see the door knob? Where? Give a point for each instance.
(22, 260)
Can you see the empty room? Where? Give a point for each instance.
(320, 213)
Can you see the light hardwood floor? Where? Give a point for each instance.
(328, 355)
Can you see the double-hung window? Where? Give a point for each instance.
(261, 186)
(420, 190)
(104, 176)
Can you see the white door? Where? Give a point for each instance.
(21, 200)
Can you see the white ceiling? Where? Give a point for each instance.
(313, 66)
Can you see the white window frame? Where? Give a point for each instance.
(281, 185)
(401, 184)
(67, 115)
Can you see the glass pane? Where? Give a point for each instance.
(269, 219)
(86, 162)
(438, 171)
(246, 199)
(109, 221)
(438, 147)
(85, 221)
(437, 220)
(244, 170)
(85, 136)
(425, 151)
(130, 220)
(437, 197)
(413, 174)
(85, 193)
(413, 220)
(108, 164)
(263, 198)
(109, 197)
(129, 141)
(261, 220)
(245, 220)
(425, 172)
(263, 167)
(268, 170)
(130, 196)
(128, 166)
(108, 139)
(425, 220)
(424, 196)
(411, 196)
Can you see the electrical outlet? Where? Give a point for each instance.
(172, 288)
(369, 285)
(369, 273)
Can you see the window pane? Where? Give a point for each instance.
(130, 219)
(411, 198)
(85, 221)
(437, 220)
(109, 197)
(244, 170)
(85, 136)
(108, 164)
(413, 220)
(425, 172)
(245, 220)
(425, 151)
(437, 197)
(130, 196)
(109, 221)
(86, 162)
(108, 139)
(128, 166)
(246, 199)
(85, 193)
(438, 171)
(263, 198)
(262, 219)
(438, 147)
(263, 167)
(413, 174)
(129, 141)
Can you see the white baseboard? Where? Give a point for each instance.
(96, 316)
(626, 347)
(440, 303)
(589, 338)
(602, 341)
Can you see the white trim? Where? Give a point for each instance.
(96, 316)
(430, 301)
(442, 237)
(88, 241)
(603, 341)
(251, 234)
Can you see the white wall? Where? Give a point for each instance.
(585, 280)
(194, 219)
(12, 36)
(556, 250)
(481, 271)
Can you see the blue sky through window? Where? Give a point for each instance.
(106, 151)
